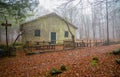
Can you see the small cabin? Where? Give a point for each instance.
(50, 27)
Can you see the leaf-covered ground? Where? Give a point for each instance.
(78, 63)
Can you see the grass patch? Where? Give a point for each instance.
(94, 61)
(63, 68)
(54, 71)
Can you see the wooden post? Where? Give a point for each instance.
(82, 43)
(96, 43)
(90, 43)
(87, 42)
(6, 29)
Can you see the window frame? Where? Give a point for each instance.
(37, 33)
(66, 34)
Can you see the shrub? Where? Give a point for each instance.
(55, 71)
(11, 51)
(4, 47)
(63, 68)
(116, 52)
(2, 53)
(95, 58)
(18, 44)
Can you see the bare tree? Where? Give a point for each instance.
(99, 21)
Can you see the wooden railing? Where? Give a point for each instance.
(67, 44)
(44, 45)
(40, 45)
(89, 43)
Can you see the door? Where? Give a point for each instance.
(53, 37)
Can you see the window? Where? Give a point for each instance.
(37, 32)
(66, 33)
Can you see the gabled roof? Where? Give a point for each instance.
(52, 14)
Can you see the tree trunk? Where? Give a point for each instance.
(17, 38)
(72, 35)
(107, 22)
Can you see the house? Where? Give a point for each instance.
(50, 27)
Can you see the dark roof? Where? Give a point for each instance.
(52, 14)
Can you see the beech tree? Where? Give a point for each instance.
(103, 21)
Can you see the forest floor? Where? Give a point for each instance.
(78, 63)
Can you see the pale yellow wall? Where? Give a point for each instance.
(46, 26)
